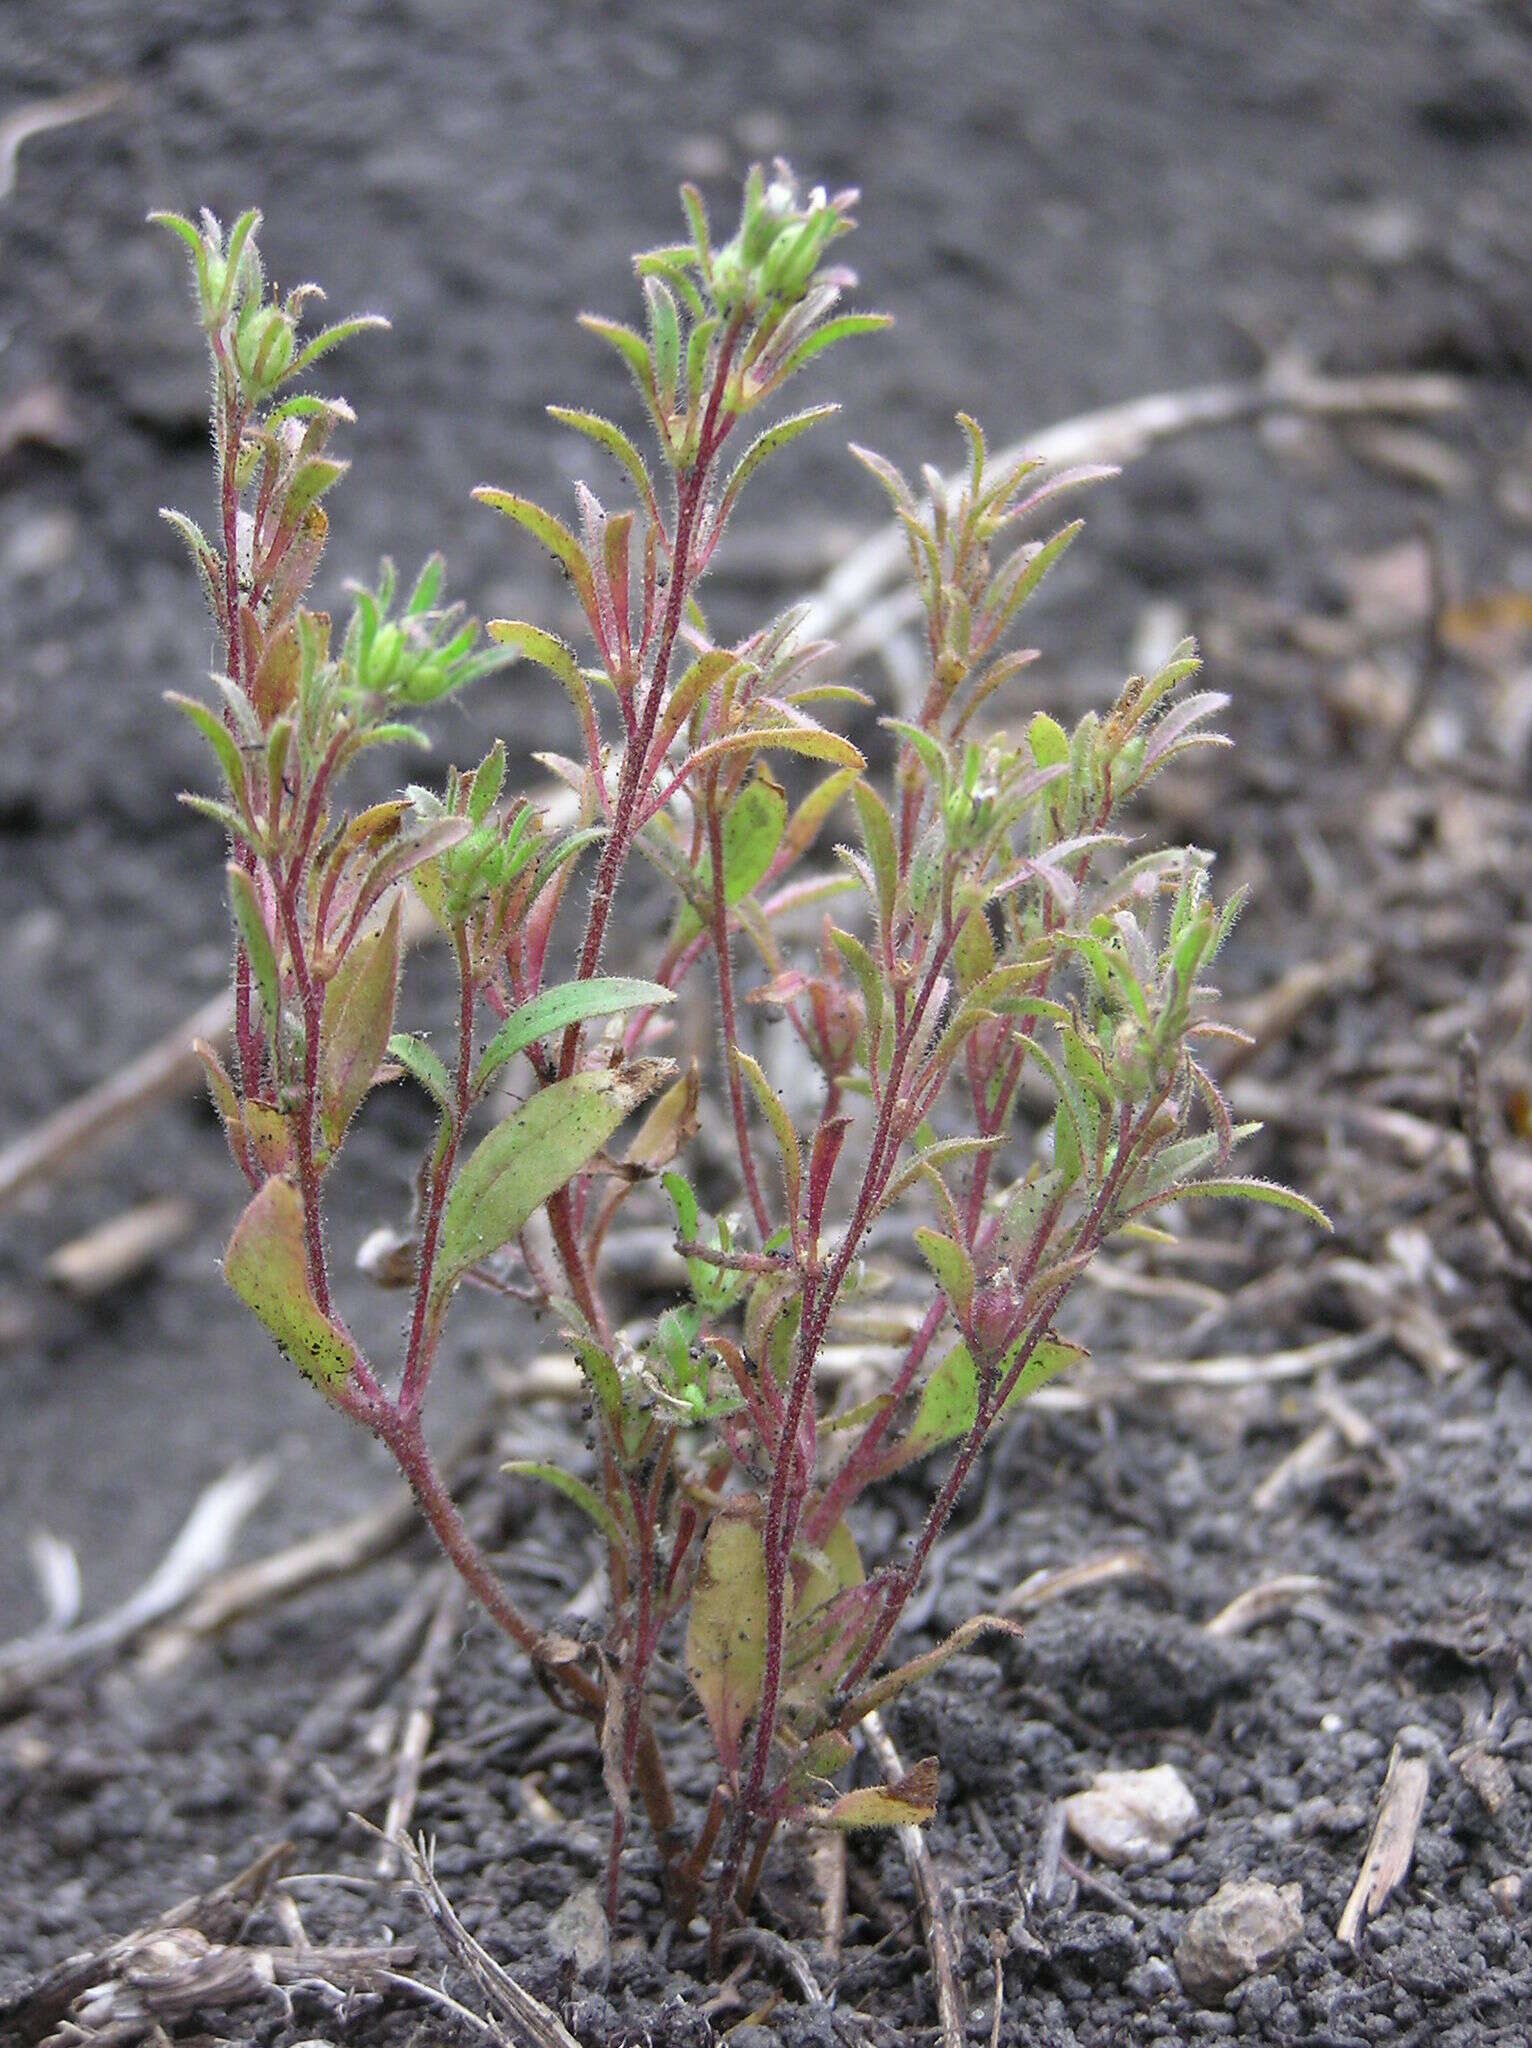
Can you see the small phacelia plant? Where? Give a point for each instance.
(988, 923)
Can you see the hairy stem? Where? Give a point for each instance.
(727, 1019)
(424, 1328)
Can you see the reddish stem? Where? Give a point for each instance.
(727, 1020)
(424, 1327)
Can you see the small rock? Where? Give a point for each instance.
(577, 1934)
(1506, 1893)
(1152, 1981)
(1243, 1929)
(1132, 1816)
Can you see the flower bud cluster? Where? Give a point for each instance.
(779, 245)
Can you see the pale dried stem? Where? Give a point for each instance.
(933, 1912)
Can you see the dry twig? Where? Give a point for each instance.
(38, 116)
(529, 2020)
(128, 1985)
(204, 1541)
(1059, 1582)
(329, 1554)
(1263, 1603)
(1392, 1844)
(1515, 1231)
(425, 1690)
(119, 1249)
(933, 1913)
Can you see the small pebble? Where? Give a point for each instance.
(1127, 1817)
(577, 1933)
(1506, 1893)
(1246, 1927)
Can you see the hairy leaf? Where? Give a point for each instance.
(892, 1683)
(267, 1267)
(584, 1497)
(255, 936)
(949, 1403)
(726, 1632)
(357, 1020)
(775, 1113)
(571, 1002)
(1239, 1189)
(422, 1065)
(952, 1266)
(909, 1802)
(554, 535)
(529, 1157)
(218, 737)
(752, 831)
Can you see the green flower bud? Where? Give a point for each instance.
(263, 348)
(382, 658)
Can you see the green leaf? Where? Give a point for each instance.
(888, 476)
(601, 1372)
(221, 814)
(422, 1065)
(952, 1266)
(930, 1161)
(929, 749)
(240, 234)
(267, 1267)
(774, 727)
(664, 340)
(218, 737)
(1240, 1189)
(196, 544)
(529, 1157)
(781, 1125)
(843, 329)
(551, 653)
(632, 347)
(178, 224)
(909, 1802)
(616, 443)
(1050, 742)
(683, 1200)
(949, 1402)
(973, 950)
(1012, 587)
(584, 1497)
(332, 337)
(1174, 1165)
(878, 838)
(803, 826)
(256, 939)
(571, 1002)
(354, 1030)
(837, 1566)
(752, 831)
(553, 533)
(319, 474)
(764, 446)
(726, 1632)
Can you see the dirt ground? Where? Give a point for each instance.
(1066, 205)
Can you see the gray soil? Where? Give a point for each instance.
(1066, 205)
